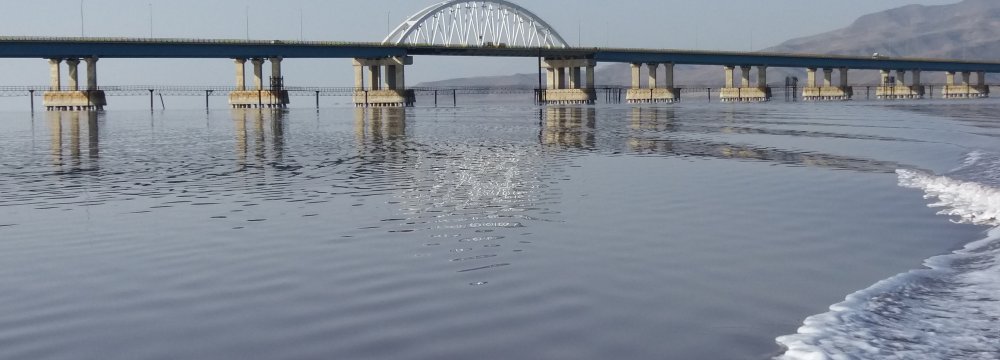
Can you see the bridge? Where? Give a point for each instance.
(496, 28)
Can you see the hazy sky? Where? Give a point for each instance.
(706, 24)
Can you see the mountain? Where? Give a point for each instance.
(968, 30)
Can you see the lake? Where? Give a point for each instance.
(503, 231)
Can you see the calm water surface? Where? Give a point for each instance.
(688, 231)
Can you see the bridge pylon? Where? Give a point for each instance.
(897, 88)
(965, 90)
(814, 91)
(274, 96)
(72, 97)
(565, 83)
(654, 92)
(745, 91)
(385, 89)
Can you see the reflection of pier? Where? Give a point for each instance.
(653, 131)
(569, 126)
(380, 138)
(657, 120)
(267, 130)
(380, 128)
(71, 154)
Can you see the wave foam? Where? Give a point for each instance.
(972, 202)
(950, 310)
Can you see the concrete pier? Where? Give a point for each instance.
(654, 92)
(72, 97)
(965, 90)
(565, 81)
(899, 89)
(814, 91)
(386, 89)
(745, 92)
(272, 97)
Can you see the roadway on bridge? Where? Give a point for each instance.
(36, 47)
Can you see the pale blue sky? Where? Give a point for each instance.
(718, 24)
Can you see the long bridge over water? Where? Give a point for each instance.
(495, 28)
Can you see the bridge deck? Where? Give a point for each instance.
(36, 47)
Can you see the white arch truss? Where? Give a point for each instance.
(476, 23)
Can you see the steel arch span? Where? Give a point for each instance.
(497, 23)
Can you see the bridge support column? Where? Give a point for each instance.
(55, 77)
(258, 73)
(814, 91)
(590, 76)
(400, 77)
(390, 77)
(550, 79)
(900, 90)
(651, 75)
(393, 93)
(73, 98)
(241, 74)
(375, 77)
(565, 85)
(636, 68)
(73, 67)
(277, 81)
(668, 75)
(575, 77)
(91, 73)
(744, 76)
(359, 77)
(729, 76)
(746, 92)
(653, 92)
(273, 96)
(965, 90)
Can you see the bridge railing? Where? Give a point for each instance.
(208, 90)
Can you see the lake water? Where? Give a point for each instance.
(685, 231)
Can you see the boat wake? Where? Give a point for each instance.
(949, 310)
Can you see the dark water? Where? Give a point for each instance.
(689, 231)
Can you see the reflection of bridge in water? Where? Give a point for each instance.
(657, 131)
(462, 204)
(465, 201)
(381, 135)
(267, 131)
(65, 139)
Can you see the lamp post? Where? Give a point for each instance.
(81, 19)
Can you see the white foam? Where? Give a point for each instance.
(950, 310)
(972, 202)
